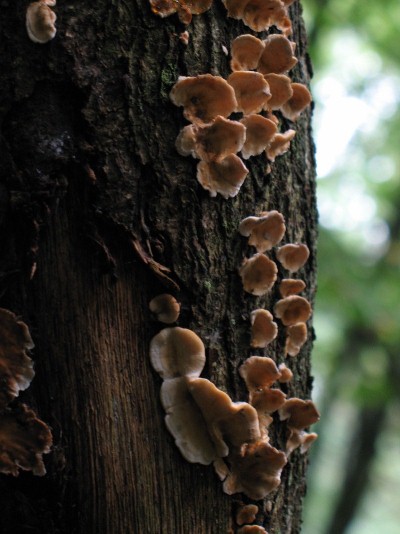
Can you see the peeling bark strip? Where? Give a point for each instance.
(89, 167)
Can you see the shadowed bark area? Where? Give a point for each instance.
(94, 201)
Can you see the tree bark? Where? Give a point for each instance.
(94, 201)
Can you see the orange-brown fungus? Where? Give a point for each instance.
(259, 15)
(286, 374)
(246, 514)
(165, 307)
(258, 274)
(299, 414)
(252, 529)
(246, 51)
(16, 368)
(298, 102)
(265, 231)
(263, 328)
(203, 97)
(251, 91)
(256, 470)
(224, 177)
(197, 7)
(23, 440)
(281, 90)
(291, 286)
(164, 8)
(185, 9)
(258, 372)
(280, 144)
(293, 256)
(277, 56)
(292, 310)
(266, 401)
(260, 132)
(296, 337)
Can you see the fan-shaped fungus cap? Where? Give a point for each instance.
(293, 256)
(246, 514)
(164, 8)
(225, 177)
(266, 401)
(16, 368)
(299, 413)
(229, 424)
(252, 529)
(203, 97)
(40, 21)
(23, 440)
(281, 90)
(286, 374)
(280, 144)
(296, 337)
(259, 15)
(292, 310)
(186, 423)
(265, 231)
(246, 51)
(177, 352)
(251, 91)
(165, 307)
(258, 372)
(291, 286)
(260, 131)
(298, 102)
(256, 471)
(258, 274)
(263, 328)
(213, 141)
(277, 56)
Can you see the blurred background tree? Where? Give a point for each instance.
(354, 481)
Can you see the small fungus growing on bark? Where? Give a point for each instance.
(265, 231)
(258, 274)
(259, 15)
(296, 337)
(259, 372)
(286, 374)
(299, 414)
(177, 352)
(16, 368)
(266, 401)
(260, 132)
(252, 529)
(246, 51)
(293, 256)
(280, 144)
(291, 286)
(263, 328)
(165, 307)
(40, 21)
(251, 91)
(225, 177)
(300, 99)
(246, 514)
(281, 90)
(278, 55)
(292, 310)
(23, 440)
(203, 97)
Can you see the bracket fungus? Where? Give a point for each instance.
(281, 90)
(252, 529)
(246, 51)
(296, 337)
(263, 328)
(177, 352)
(246, 514)
(16, 368)
(292, 310)
(293, 256)
(300, 99)
(258, 274)
(265, 231)
(259, 372)
(251, 91)
(291, 286)
(278, 55)
(259, 15)
(280, 144)
(260, 132)
(23, 440)
(40, 21)
(165, 307)
(225, 177)
(185, 10)
(299, 414)
(203, 97)
(286, 374)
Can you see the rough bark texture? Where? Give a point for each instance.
(91, 188)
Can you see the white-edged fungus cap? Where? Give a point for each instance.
(246, 51)
(297, 103)
(296, 337)
(177, 352)
(259, 372)
(263, 328)
(293, 256)
(291, 286)
(260, 132)
(280, 144)
(258, 274)
(281, 90)
(225, 177)
(40, 21)
(278, 55)
(251, 91)
(292, 310)
(165, 307)
(264, 232)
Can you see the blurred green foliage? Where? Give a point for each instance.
(356, 58)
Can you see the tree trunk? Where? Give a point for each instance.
(94, 202)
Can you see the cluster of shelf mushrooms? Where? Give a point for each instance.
(23, 437)
(208, 427)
